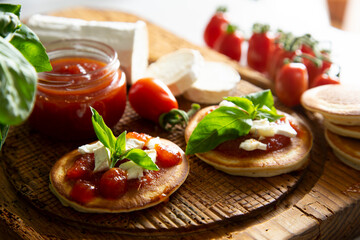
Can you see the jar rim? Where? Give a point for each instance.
(77, 48)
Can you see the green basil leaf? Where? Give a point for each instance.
(26, 41)
(269, 114)
(261, 98)
(141, 158)
(18, 80)
(3, 133)
(15, 9)
(222, 124)
(9, 22)
(120, 144)
(103, 132)
(243, 103)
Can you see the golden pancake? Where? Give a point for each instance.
(169, 180)
(293, 157)
(338, 103)
(343, 130)
(346, 149)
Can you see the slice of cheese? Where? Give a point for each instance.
(216, 81)
(178, 70)
(129, 40)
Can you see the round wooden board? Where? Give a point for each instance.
(207, 198)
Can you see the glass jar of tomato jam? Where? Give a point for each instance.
(85, 73)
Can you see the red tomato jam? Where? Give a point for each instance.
(79, 79)
(113, 183)
(277, 142)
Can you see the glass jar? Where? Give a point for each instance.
(85, 73)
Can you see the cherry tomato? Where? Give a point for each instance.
(277, 60)
(150, 98)
(324, 79)
(315, 66)
(291, 81)
(261, 44)
(230, 43)
(167, 156)
(216, 27)
(82, 167)
(113, 183)
(83, 191)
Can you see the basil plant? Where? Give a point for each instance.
(21, 56)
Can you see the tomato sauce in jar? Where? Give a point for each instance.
(85, 73)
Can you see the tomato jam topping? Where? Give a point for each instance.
(113, 183)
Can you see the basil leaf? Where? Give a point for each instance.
(26, 41)
(261, 98)
(222, 124)
(15, 9)
(120, 144)
(18, 80)
(243, 103)
(103, 132)
(3, 133)
(9, 22)
(268, 114)
(141, 158)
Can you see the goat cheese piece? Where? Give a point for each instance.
(102, 159)
(264, 128)
(252, 144)
(152, 142)
(134, 143)
(89, 148)
(129, 40)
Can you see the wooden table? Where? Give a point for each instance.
(324, 205)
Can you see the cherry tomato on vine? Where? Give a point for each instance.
(216, 26)
(324, 79)
(230, 43)
(150, 98)
(261, 44)
(291, 81)
(277, 60)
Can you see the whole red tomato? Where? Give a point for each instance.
(261, 44)
(230, 43)
(216, 26)
(324, 79)
(291, 81)
(315, 66)
(150, 98)
(277, 60)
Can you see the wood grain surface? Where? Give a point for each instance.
(325, 204)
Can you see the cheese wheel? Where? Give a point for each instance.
(216, 81)
(178, 70)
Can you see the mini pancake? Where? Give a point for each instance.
(134, 199)
(293, 157)
(346, 149)
(338, 103)
(343, 130)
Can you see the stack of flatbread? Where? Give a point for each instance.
(340, 106)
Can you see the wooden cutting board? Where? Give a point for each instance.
(320, 202)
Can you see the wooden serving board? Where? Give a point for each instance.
(320, 202)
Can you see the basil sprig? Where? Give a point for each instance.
(21, 56)
(227, 123)
(117, 146)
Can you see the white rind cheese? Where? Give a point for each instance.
(216, 81)
(129, 40)
(178, 70)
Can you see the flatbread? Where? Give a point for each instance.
(293, 157)
(135, 199)
(343, 130)
(346, 149)
(336, 102)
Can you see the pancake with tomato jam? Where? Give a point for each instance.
(87, 187)
(282, 154)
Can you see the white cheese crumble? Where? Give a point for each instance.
(134, 143)
(252, 144)
(264, 128)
